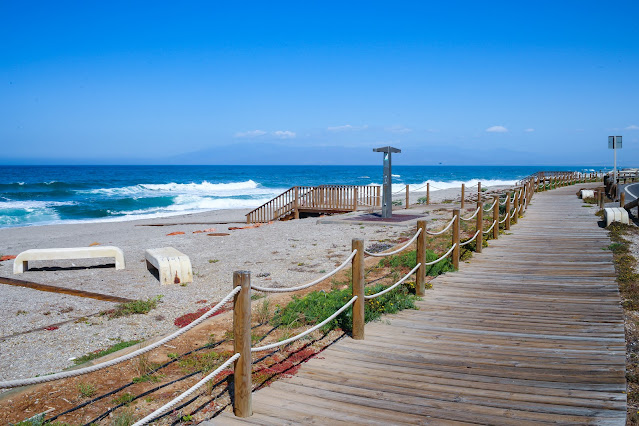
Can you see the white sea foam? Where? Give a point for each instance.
(437, 185)
(249, 187)
(32, 205)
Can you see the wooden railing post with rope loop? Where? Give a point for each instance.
(463, 190)
(242, 403)
(496, 216)
(515, 208)
(479, 223)
(456, 216)
(407, 199)
(427, 193)
(622, 199)
(507, 225)
(358, 289)
(420, 281)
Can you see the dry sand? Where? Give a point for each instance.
(281, 254)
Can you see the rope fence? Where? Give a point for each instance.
(304, 333)
(166, 407)
(311, 284)
(411, 241)
(241, 294)
(443, 230)
(473, 215)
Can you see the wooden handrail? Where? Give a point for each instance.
(322, 198)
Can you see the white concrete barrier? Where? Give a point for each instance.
(174, 267)
(587, 193)
(615, 214)
(21, 262)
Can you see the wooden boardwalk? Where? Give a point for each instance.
(529, 331)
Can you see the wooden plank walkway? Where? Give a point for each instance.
(529, 331)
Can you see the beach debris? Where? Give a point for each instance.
(187, 319)
(264, 274)
(7, 257)
(204, 231)
(95, 243)
(379, 247)
(218, 234)
(175, 233)
(51, 328)
(255, 225)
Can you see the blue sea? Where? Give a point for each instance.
(40, 195)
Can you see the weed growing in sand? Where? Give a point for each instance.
(199, 362)
(87, 390)
(21, 312)
(125, 398)
(99, 354)
(135, 307)
(214, 260)
(408, 260)
(125, 418)
(263, 311)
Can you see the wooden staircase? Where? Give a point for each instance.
(316, 199)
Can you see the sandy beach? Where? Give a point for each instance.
(281, 254)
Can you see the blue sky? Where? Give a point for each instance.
(318, 82)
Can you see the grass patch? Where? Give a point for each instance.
(135, 307)
(199, 362)
(625, 264)
(99, 354)
(125, 398)
(408, 260)
(86, 390)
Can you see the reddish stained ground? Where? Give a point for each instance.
(187, 319)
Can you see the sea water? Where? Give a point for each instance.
(39, 195)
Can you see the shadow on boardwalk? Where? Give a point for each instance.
(530, 331)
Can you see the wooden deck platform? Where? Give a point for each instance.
(529, 331)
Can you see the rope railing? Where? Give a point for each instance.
(491, 206)
(166, 407)
(473, 215)
(505, 201)
(471, 240)
(491, 227)
(513, 214)
(93, 368)
(504, 219)
(386, 290)
(445, 255)
(443, 230)
(304, 333)
(307, 285)
(419, 231)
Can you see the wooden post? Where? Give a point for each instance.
(407, 200)
(496, 217)
(622, 199)
(358, 289)
(479, 225)
(456, 238)
(522, 198)
(601, 199)
(378, 196)
(479, 187)
(297, 203)
(355, 195)
(516, 209)
(420, 282)
(427, 193)
(507, 226)
(462, 195)
(242, 403)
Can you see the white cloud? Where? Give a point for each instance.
(398, 129)
(497, 129)
(250, 134)
(632, 127)
(346, 127)
(284, 134)
(529, 130)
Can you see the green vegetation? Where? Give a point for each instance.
(153, 378)
(214, 260)
(135, 307)
(87, 390)
(422, 200)
(125, 418)
(199, 362)
(398, 203)
(625, 264)
(408, 260)
(99, 354)
(125, 398)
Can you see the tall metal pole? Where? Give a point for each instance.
(387, 196)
